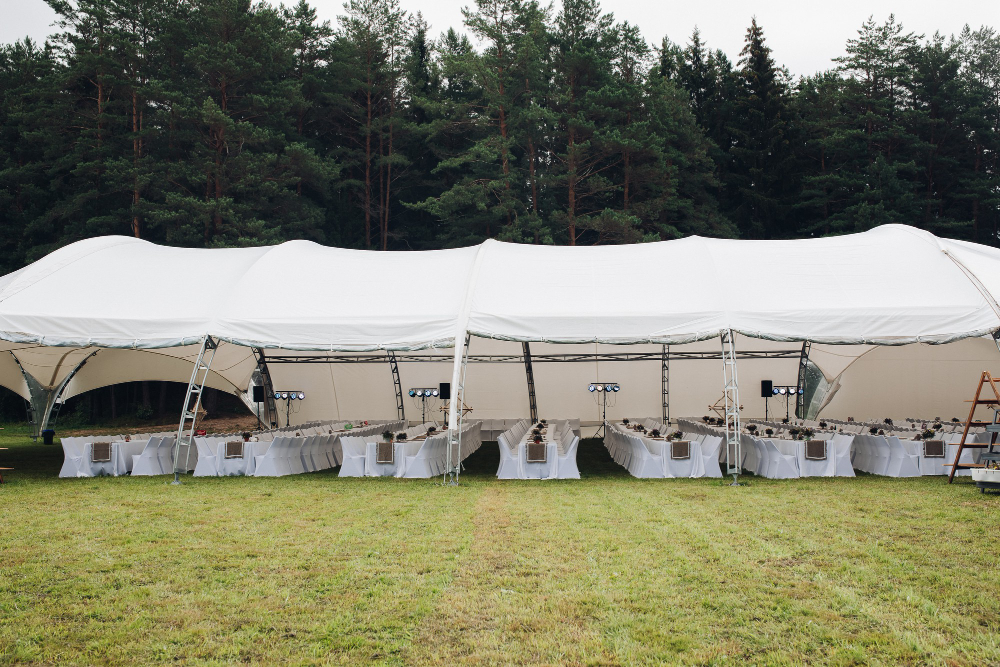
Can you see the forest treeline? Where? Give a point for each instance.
(226, 122)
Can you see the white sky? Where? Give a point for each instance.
(804, 34)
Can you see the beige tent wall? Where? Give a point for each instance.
(897, 382)
(499, 390)
(919, 381)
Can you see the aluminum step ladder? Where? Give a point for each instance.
(192, 402)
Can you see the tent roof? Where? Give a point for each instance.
(891, 285)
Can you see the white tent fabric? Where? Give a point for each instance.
(892, 285)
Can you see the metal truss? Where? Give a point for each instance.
(800, 398)
(532, 399)
(270, 407)
(665, 384)
(400, 407)
(410, 358)
(731, 391)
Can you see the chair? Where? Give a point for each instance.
(642, 462)
(206, 466)
(353, 448)
(508, 458)
(149, 461)
(901, 462)
(165, 453)
(567, 459)
(779, 465)
(711, 445)
(840, 444)
(275, 461)
(428, 461)
(72, 457)
(878, 454)
(293, 450)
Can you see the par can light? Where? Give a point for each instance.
(413, 393)
(591, 388)
(302, 396)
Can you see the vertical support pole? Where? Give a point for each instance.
(731, 391)
(532, 400)
(665, 385)
(400, 407)
(800, 398)
(456, 414)
(43, 406)
(265, 379)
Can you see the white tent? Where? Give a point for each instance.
(148, 309)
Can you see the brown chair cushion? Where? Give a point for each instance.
(816, 450)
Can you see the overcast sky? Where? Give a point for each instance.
(804, 34)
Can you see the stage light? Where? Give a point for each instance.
(277, 394)
(302, 396)
(591, 388)
(781, 391)
(800, 391)
(434, 392)
(413, 393)
(775, 391)
(600, 387)
(284, 395)
(617, 387)
(420, 392)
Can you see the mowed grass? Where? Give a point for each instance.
(605, 570)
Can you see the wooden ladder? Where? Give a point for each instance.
(994, 403)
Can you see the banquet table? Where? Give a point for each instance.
(547, 469)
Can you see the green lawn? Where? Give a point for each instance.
(605, 570)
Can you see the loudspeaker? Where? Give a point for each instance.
(258, 394)
(766, 388)
(444, 389)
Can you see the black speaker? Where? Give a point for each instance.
(258, 394)
(444, 389)
(766, 388)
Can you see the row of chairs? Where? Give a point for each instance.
(697, 455)
(419, 459)
(558, 454)
(96, 456)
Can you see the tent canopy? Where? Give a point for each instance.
(888, 286)
(153, 305)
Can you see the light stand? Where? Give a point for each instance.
(788, 392)
(287, 397)
(423, 394)
(603, 389)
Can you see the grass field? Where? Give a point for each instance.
(605, 570)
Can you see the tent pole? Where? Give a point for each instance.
(44, 401)
(731, 391)
(800, 399)
(532, 400)
(455, 406)
(265, 379)
(665, 385)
